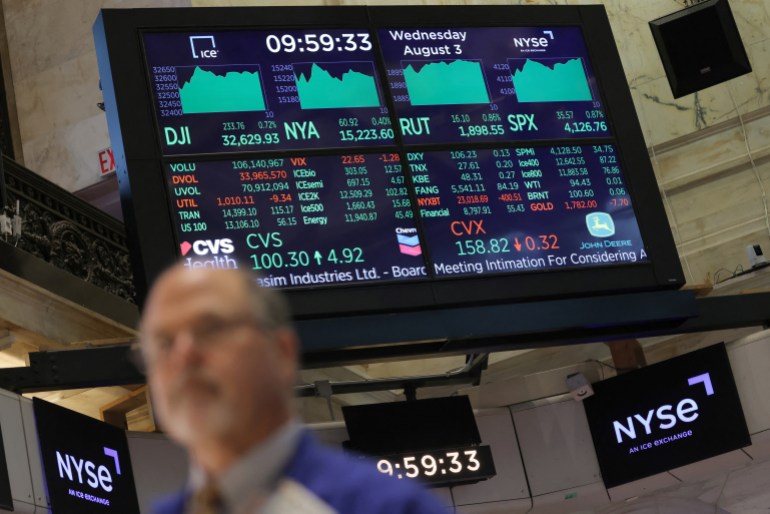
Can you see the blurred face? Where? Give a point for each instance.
(214, 373)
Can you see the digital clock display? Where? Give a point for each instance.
(247, 91)
(441, 467)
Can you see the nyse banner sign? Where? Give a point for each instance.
(666, 415)
(86, 462)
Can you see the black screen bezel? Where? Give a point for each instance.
(720, 426)
(61, 429)
(130, 114)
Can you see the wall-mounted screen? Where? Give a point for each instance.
(666, 415)
(375, 159)
(86, 463)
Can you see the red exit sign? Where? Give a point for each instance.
(106, 162)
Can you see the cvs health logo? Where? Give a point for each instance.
(204, 247)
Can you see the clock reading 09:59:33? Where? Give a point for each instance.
(343, 42)
(441, 467)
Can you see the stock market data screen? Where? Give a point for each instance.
(506, 209)
(300, 220)
(245, 91)
(461, 85)
(342, 156)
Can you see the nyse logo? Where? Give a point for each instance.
(77, 469)
(204, 247)
(533, 42)
(666, 416)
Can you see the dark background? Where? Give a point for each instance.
(719, 428)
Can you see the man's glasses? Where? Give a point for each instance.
(207, 334)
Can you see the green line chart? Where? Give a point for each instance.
(550, 80)
(336, 85)
(445, 82)
(213, 89)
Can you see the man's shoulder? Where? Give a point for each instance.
(350, 484)
(169, 504)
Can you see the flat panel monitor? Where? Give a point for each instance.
(428, 424)
(666, 415)
(86, 462)
(434, 440)
(383, 159)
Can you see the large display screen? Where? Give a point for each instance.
(666, 415)
(310, 220)
(508, 209)
(443, 155)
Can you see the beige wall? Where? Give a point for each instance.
(56, 84)
(710, 150)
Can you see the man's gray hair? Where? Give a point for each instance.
(270, 308)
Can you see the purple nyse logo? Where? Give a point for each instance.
(76, 469)
(667, 415)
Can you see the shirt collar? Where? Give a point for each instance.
(255, 472)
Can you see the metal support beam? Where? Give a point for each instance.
(468, 374)
(436, 333)
(73, 369)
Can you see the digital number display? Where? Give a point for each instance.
(246, 91)
(316, 217)
(461, 85)
(520, 209)
(383, 159)
(441, 467)
(298, 221)
(324, 220)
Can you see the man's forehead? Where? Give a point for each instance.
(201, 279)
(200, 289)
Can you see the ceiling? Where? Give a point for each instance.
(32, 319)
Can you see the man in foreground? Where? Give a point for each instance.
(222, 360)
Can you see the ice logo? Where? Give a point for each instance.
(600, 224)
